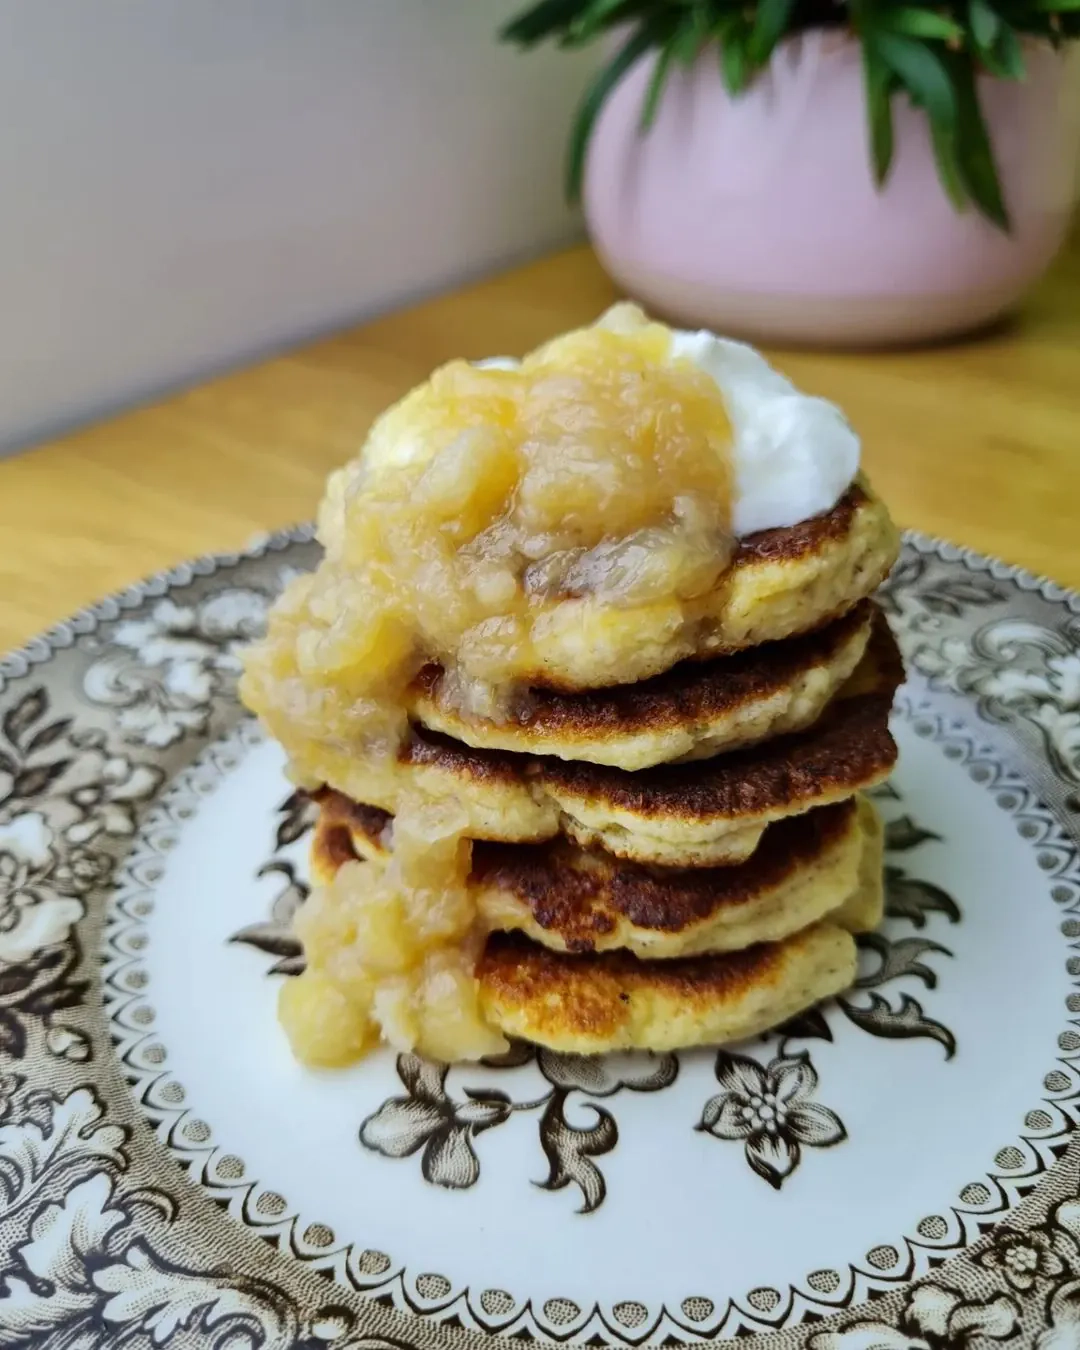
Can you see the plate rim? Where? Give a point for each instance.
(21, 662)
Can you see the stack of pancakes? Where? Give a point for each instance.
(683, 860)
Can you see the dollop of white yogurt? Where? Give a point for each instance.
(793, 455)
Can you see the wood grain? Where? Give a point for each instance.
(978, 441)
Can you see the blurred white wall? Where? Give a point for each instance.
(186, 184)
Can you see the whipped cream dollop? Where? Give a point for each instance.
(793, 455)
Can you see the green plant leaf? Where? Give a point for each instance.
(600, 14)
(692, 32)
(952, 180)
(985, 24)
(878, 82)
(645, 36)
(770, 24)
(918, 23)
(1005, 57)
(540, 21)
(735, 66)
(921, 71)
(974, 153)
(931, 49)
(656, 84)
(1055, 6)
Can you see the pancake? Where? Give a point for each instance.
(779, 583)
(693, 711)
(864, 909)
(593, 1004)
(700, 814)
(583, 900)
(714, 813)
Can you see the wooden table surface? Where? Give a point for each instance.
(977, 441)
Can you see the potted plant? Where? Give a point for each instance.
(824, 171)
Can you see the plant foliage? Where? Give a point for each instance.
(930, 52)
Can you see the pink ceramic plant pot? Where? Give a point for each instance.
(759, 215)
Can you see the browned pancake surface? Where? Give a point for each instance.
(592, 1004)
(849, 747)
(791, 543)
(581, 895)
(575, 892)
(589, 991)
(693, 692)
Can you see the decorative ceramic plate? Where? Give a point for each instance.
(896, 1169)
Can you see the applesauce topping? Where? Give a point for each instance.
(482, 505)
(390, 949)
